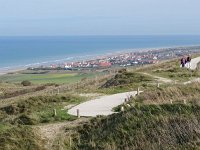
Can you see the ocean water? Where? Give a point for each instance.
(16, 52)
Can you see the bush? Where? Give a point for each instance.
(26, 83)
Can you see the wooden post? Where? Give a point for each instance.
(54, 112)
(171, 101)
(184, 102)
(138, 91)
(58, 91)
(70, 142)
(79, 140)
(122, 108)
(78, 113)
(158, 85)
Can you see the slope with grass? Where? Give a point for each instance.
(40, 109)
(19, 137)
(189, 93)
(171, 70)
(150, 123)
(165, 117)
(143, 127)
(125, 81)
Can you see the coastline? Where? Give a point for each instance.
(15, 69)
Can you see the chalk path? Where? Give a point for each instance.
(194, 63)
(101, 106)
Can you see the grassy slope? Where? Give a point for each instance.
(171, 69)
(143, 127)
(150, 123)
(174, 93)
(125, 81)
(39, 110)
(19, 137)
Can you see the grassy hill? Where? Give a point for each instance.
(150, 122)
(164, 117)
(170, 69)
(19, 137)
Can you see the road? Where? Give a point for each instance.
(101, 106)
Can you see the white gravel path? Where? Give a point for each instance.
(101, 106)
(194, 63)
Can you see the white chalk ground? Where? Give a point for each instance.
(101, 106)
(194, 63)
(193, 66)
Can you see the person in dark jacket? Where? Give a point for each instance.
(189, 61)
(183, 62)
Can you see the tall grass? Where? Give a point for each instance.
(144, 127)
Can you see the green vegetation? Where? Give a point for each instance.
(26, 83)
(174, 93)
(58, 78)
(150, 121)
(154, 126)
(165, 117)
(125, 81)
(39, 110)
(18, 90)
(19, 137)
(171, 70)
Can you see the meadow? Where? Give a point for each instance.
(58, 78)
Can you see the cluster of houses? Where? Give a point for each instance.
(128, 59)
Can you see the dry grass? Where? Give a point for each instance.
(171, 94)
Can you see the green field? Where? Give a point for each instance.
(58, 78)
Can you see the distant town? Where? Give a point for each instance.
(150, 56)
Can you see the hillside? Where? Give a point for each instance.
(161, 125)
(163, 116)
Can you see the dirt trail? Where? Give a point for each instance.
(159, 79)
(50, 132)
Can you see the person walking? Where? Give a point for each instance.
(189, 61)
(183, 61)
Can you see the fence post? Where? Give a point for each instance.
(58, 91)
(138, 91)
(78, 113)
(70, 142)
(122, 108)
(184, 101)
(171, 102)
(54, 112)
(158, 85)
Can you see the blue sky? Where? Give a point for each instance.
(99, 17)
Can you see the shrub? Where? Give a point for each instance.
(26, 83)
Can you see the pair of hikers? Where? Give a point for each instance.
(186, 61)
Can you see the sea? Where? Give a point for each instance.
(29, 51)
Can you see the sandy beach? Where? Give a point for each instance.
(9, 71)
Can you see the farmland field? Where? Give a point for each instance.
(58, 78)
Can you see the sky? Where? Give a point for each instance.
(98, 17)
